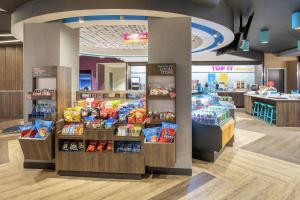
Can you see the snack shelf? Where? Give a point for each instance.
(70, 137)
(42, 97)
(159, 121)
(129, 138)
(159, 97)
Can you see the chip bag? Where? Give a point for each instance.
(43, 128)
(168, 132)
(152, 134)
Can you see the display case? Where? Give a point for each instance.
(213, 126)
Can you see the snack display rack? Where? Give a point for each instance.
(68, 162)
(213, 126)
(40, 152)
(161, 75)
(115, 162)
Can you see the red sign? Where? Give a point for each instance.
(132, 38)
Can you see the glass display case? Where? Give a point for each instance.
(210, 110)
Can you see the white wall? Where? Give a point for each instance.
(170, 42)
(49, 44)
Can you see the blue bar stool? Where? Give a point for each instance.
(263, 111)
(271, 114)
(256, 108)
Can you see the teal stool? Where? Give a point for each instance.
(255, 109)
(271, 114)
(263, 111)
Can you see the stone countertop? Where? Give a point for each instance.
(269, 98)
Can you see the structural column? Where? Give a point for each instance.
(49, 44)
(170, 42)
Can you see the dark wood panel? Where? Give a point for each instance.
(11, 104)
(288, 113)
(160, 154)
(11, 82)
(34, 149)
(64, 86)
(11, 68)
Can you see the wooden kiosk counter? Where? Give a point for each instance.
(287, 110)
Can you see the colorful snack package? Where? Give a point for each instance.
(168, 132)
(109, 146)
(73, 146)
(72, 114)
(101, 146)
(28, 131)
(92, 146)
(109, 123)
(65, 146)
(152, 134)
(122, 131)
(43, 128)
(80, 146)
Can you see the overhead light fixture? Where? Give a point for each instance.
(215, 35)
(264, 36)
(298, 45)
(245, 46)
(296, 20)
(6, 35)
(8, 41)
(2, 10)
(81, 20)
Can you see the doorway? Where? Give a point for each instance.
(278, 76)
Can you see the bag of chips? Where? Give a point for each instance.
(43, 128)
(72, 114)
(92, 146)
(28, 131)
(168, 132)
(152, 134)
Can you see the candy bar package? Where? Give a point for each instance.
(152, 134)
(109, 146)
(80, 146)
(43, 128)
(168, 132)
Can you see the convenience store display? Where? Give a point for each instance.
(213, 126)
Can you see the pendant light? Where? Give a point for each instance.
(264, 36)
(296, 20)
(245, 45)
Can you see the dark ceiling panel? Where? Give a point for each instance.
(11, 5)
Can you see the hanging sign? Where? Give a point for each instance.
(133, 38)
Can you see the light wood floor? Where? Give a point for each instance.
(238, 174)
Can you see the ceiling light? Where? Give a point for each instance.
(245, 46)
(264, 36)
(81, 20)
(2, 10)
(296, 20)
(8, 41)
(6, 35)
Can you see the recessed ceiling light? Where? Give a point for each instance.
(215, 35)
(8, 41)
(81, 20)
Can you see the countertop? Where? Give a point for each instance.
(268, 98)
(234, 91)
